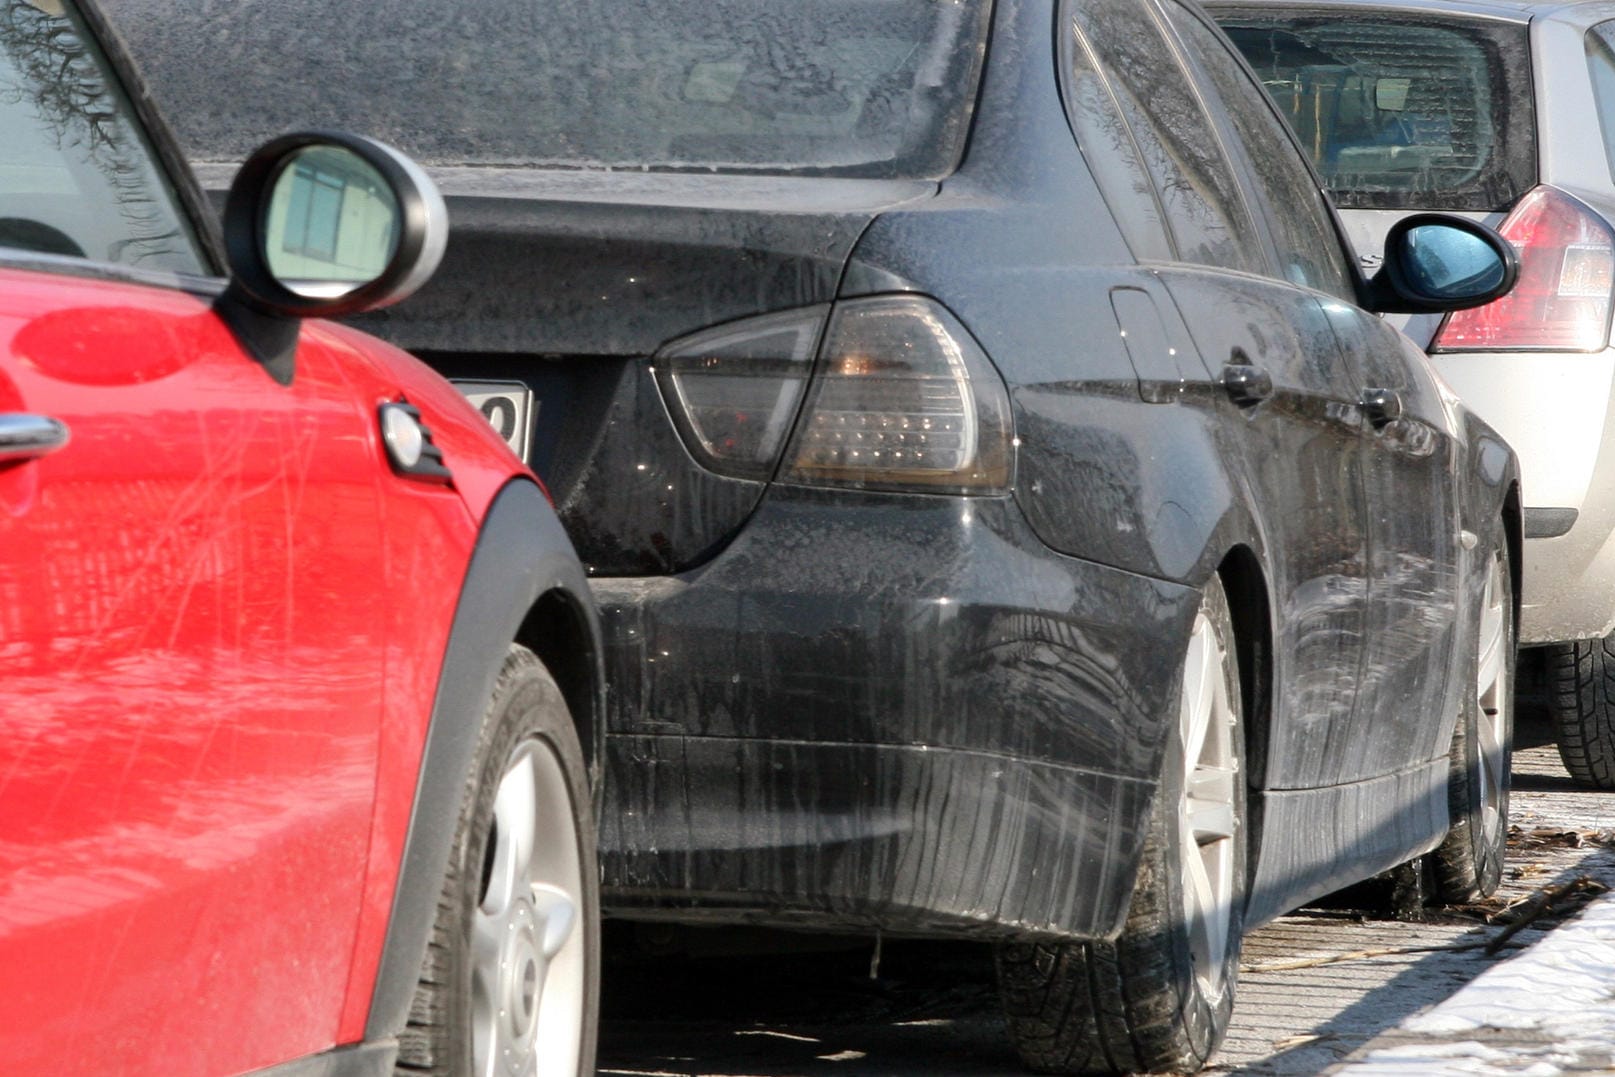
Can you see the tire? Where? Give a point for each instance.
(1581, 678)
(1159, 997)
(510, 982)
(1469, 862)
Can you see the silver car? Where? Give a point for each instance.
(1504, 112)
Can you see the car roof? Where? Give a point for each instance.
(1578, 14)
(1504, 10)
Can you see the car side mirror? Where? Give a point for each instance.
(324, 224)
(1436, 262)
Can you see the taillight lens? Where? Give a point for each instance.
(1562, 299)
(903, 399)
(733, 391)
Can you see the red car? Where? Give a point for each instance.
(301, 675)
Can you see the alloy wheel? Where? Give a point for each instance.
(1206, 810)
(1494, 695)
(528, 961)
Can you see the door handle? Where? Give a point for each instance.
(1381, 406)
(24, 437)
(1246, 384)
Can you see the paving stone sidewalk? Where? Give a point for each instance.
(1328, 992)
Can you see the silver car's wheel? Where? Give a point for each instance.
(510, 983)
(1469, 862)
(1582, 676)
(1158, 999)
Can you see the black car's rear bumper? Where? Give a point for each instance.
(886, 711)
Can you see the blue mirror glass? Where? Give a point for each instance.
(1443, 262)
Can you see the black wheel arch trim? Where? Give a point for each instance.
(522, 554)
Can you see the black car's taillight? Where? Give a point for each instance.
(733, 391)
(901, 398)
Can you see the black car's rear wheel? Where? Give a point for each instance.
(1158, 999)
(509, 986)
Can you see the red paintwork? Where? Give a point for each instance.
(418, 538)
(221, 623)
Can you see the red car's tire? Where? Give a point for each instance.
(510, 981)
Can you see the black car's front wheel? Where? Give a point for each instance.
(1158, 999)
(510, 983)
(1469, 862)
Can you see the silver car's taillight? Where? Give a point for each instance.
(1562, 299)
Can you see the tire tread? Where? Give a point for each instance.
(1581, 678)
(431, 1044)
(1115, 1007)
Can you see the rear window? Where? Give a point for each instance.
(1400, 113)
(1601, 66)
(875, 88)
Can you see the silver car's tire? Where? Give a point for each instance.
(1469, 863)
(510, 982)
(1581, 676)
(1158, 999)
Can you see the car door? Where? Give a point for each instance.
(188, 638)
(1408, 459)
(1271, 361)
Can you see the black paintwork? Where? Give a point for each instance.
(945, 713)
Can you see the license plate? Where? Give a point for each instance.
(508, 406)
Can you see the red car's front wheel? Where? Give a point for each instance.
(510, 982)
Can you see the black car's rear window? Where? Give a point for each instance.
(1400, 112)
(879, 88)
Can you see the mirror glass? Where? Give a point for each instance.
(1443, 262)
(333, 222)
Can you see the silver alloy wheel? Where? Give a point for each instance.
(1206, 817)
(528, 967)
(1494, 695)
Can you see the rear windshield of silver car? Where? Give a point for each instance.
(1400, 112)
(871, 88)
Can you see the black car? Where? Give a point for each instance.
(1008, 516)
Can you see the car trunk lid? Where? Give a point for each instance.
(567, 284)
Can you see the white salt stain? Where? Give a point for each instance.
(1559, 995)
(1565, 982)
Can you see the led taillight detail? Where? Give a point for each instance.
(1562, 299)
(733, 391)
(903, 399)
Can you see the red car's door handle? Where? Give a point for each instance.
(24, 437)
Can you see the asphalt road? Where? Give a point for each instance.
(1316, 986)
